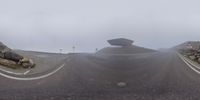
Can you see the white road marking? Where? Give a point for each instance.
(10, 72)
(33, 78)
(27, 72)
(190, 66)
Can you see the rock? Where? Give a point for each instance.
(12, 59)
(9, 63)
(12, 56)
(1, 55)
(198, 57)
(192, 57)
(120, 42)
(188, 53)
(32, 63)
(27, 63)
(8, 54)
(24, 60)
(198, 60)
(4, 48)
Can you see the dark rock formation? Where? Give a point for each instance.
(120, 42)
(12, 56)
(13, 60)
(123, 46)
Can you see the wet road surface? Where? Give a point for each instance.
(148, 76)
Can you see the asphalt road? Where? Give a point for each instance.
(148, 76)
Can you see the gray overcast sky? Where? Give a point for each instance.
(47, 25)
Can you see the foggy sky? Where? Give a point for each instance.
(48, 25)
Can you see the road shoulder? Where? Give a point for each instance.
(191, 64)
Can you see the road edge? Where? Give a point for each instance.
(33, 78)
(189, 64)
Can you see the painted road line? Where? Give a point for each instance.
(192, 63)
(27, 72)
(10, 72)
(22, 73)
(33, 78)
(189, 65)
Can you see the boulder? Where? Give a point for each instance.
(24, 60)
(192, 57)
(12, 56)
(9, 63)
(11, 59)
(3, 48)
(27, 63)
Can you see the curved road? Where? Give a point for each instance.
(149, 76)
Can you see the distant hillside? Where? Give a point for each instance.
(124, 50)
(193, 44)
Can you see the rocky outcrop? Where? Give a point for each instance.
(11, 59)
(123, 46)
(120, 42)
(192, 54)
(12, 56)
(194, 45)
(9, 63)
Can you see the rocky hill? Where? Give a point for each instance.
(124, 50)
(188, 45)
